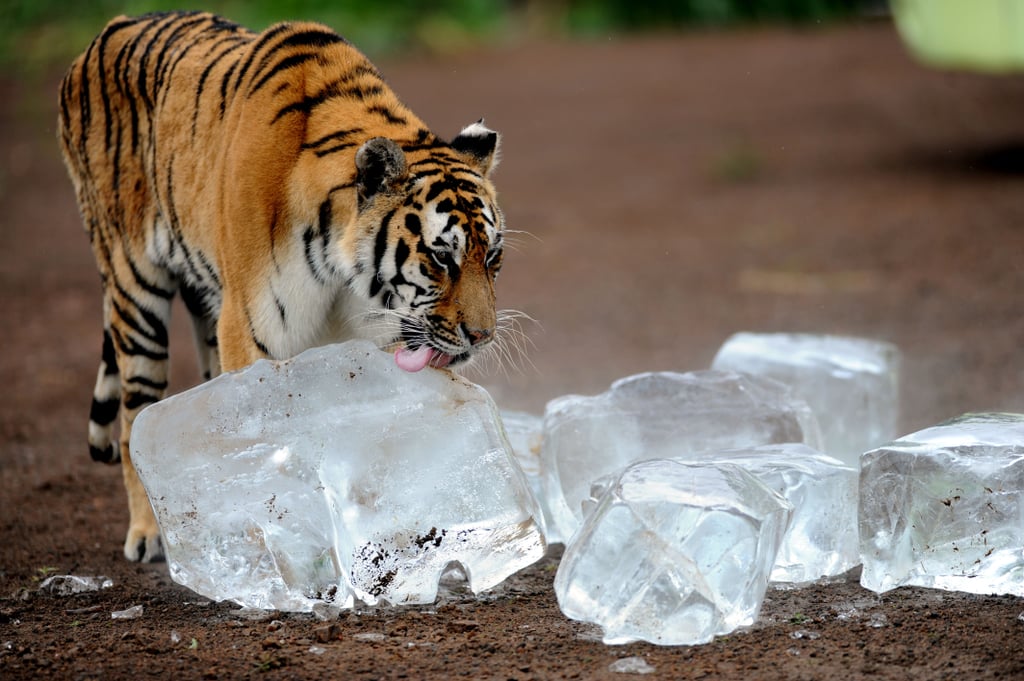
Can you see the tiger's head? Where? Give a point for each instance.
(431, 244)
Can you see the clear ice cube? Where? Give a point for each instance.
(944, 508)
(675, 553)
(851, 384)
(659, 415)
(334, 477)
(822, 536)
(525, 434)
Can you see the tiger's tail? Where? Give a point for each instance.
(106, 402)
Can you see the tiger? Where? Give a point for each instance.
(278, 184)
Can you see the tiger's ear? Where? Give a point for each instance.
(480, 144)
(380, 163)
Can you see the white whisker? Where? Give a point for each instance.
(508, 351)
(513, 241)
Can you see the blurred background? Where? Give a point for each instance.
(674, 172)
(38, 32)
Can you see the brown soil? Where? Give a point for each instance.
(677, 189)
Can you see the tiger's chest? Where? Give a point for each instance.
(300, 302)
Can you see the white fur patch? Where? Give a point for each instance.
(434, 232)
(477, 129)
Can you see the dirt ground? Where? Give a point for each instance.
(675, 189)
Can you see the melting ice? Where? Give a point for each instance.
(674, 553)
(659, 415)
(851, 384)
(944, 507)
(334, 477)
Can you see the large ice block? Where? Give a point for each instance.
(334, 477)
(851, 384)
(659, 415)
(525, 434)
(822, 536)
(675, 553)
(944, 507)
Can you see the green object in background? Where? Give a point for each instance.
(981, 35)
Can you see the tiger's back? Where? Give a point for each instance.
(278, 184)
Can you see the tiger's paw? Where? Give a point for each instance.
(143, 544)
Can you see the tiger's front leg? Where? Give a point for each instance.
(236, 338)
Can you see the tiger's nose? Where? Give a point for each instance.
(477, 336)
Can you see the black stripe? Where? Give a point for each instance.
(105, 455)
(129, 347)
(117, 164)
(172, 212)
(306, 104)
(388, 115)
(146, 285)
(211, 273)
(252, 334)
(264, 38)
(321, 232)
(134, 48)
(147, 382)
(65, 112)
(314, 267)
(137, 400)
(103, 412)
(280, 67)
(84, 110)
(195, 300)
(427, 173)
(165, 64)
(163, 25)
(320, 153)
(337, 88)
(401, 254)
(360, 93)
(325, 217)
(281, 311)
(108, 357)
(224, 89)
(380, 247)
(101, 63)
(121, 78)
(157, 329)
(206, 74)
(430, 146)
(338, 135)
(315, 38)
(413, 224)
(437, 188)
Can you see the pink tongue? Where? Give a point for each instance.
(413, 360)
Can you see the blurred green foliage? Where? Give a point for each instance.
(37, 34)
(604, 15)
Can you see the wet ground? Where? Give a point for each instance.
(673, 190)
